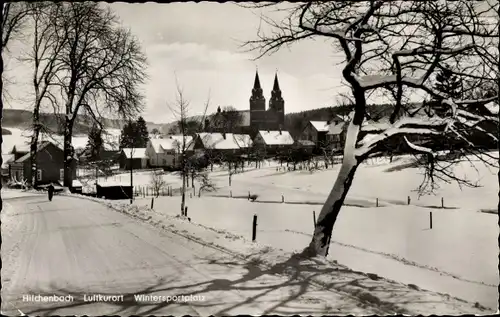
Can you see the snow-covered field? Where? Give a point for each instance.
(458, 256)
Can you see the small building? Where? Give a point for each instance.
(222, 144)
(50, 165)
(315, 131)
(273, 142)
(114, 191)
(134, 158)
(166, 152)
(335, 137)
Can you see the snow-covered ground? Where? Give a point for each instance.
(406, 299)
(109, 253)
(459, 255)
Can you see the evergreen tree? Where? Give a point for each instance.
(142, 135)
(127, 135)
(94, 144)
(448, 83)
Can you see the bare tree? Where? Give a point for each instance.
(43, 56)
(181, 109)
(103, 65)
(14, 16)
(157, 182)
(11, 21)
(395, 48)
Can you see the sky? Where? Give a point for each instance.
(200, 44)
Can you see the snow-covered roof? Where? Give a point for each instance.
(6, 159)
(320, 126)
(160, 145)
(42, 146)
(217, 141)
(276, 137)
(179, 138)
(243, 140)
(134, 152)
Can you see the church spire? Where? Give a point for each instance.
(257, 90)
(256, 84)
(276, 86)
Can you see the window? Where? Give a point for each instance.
(38, 174)
(61, 174)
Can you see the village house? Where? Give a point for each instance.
(222, 144)
(50, 165)
(273, 142)
(165, 152)
(134, 158)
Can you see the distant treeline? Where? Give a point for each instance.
(22, 119)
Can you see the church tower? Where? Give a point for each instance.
(257, 106)
(277, 105)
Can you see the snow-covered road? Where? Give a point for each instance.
(80, 248)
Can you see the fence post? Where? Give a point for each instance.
(248, 195)
(442, 202)
(185, 211)
(430, 218)
(254, 228)
(409, 200)
(377, 202)
(282, 198)
(314, 218)
(199, 193)
(152, 202)
(231, 193)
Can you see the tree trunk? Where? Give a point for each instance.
(183, 194)
(330, 211)
(320, 242)
(68, 154)
(34, 146)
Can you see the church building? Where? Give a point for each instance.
(261, 118)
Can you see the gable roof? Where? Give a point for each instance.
(320, 126)
(160, 145)
(41, 147)
(134, 153)
(276, 137)
(230, 142)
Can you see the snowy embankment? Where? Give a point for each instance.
(370, 289)
(394, 242)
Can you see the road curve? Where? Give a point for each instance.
(81, 248)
